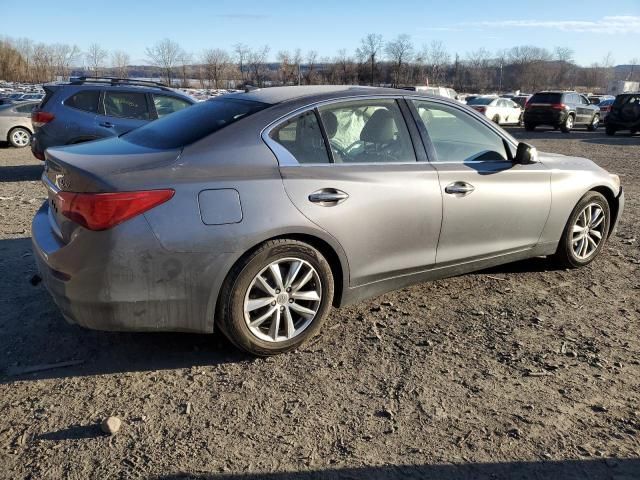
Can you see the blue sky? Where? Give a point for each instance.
(591, 28)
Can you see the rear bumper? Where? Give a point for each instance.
(550, 117)
(122, 279)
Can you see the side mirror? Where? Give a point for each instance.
(526, 154)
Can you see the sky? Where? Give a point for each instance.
(590, 28)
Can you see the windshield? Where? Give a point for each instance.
(193, 123)
(546, 98)
(481, 101)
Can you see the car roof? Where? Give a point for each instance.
(275, 95)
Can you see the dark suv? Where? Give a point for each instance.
(87, 109)
(563, 110)
(624, 114)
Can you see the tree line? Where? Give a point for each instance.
(396, 62)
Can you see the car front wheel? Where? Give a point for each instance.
(586, 231)
(276, 298)
(595, 123)
(567, 126)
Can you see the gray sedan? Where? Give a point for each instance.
(255, 212)
(15, 123)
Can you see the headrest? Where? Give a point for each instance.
(330, 122)
(380, 128)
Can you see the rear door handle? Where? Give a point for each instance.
(328, 197)
(107, 125)
(459, 188)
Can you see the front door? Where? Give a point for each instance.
(367, 189)
(491, 206)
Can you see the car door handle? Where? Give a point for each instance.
(328, 197)
(457, 188)
(107, 125)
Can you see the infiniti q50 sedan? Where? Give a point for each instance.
(256, 212)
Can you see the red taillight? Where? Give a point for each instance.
(558, 106)
(481, 109)
(100, 211)
(38, 118)
(605, 109)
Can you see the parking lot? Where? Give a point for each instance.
(522, 370)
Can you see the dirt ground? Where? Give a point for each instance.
(523, 371)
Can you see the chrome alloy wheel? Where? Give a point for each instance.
(20, 138)
(588, 231)
(282, 300)
(569, 122)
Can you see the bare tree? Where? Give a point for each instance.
(310, 74)
(216, 62)
(287, 67)
(166, 55)
(241, 52)
(63, 56)
(96, 57)
(120, 61)
(436, 59)
(185, 59)
(369, 48)
(257, 60)
(400, 52)
(345, 66)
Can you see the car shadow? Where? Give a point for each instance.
(605, 468)
(530, 265)
(35, 336)
(75, 432)
(20, 173)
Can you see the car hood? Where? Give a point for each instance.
(568, 165)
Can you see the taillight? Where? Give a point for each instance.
(558, 106)
(481, 109)
(605, 109)
(100, 211)
(38, 119)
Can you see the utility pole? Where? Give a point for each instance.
(500, 89)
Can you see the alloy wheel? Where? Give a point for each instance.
(20, 138)
(588, 231)
(282, 300)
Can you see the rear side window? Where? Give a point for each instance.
(302, 138)
(126, 105)
(546, 98)
(25, 108)
(86, 101)
(166, 105)
(192, 124)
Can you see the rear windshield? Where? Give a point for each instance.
(193, 123)
(546, 98)
(481, 101)
(624, 99)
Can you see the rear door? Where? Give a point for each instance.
(584, 109)
(368, 189)
(491, 206)
(122, 111)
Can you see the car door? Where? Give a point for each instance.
(587, 109)
(121, 112)
(368, 189)
(491, 206)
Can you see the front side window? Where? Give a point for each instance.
(457, 137)
(126, 105)
(166, 105)
(367, 131)
(87, 101)
(302, 137)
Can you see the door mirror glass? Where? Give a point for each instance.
(526, 154)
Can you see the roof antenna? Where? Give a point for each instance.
(250, 88)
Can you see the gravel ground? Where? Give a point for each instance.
(524, 371)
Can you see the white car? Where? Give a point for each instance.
(499, 110)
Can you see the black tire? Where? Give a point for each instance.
(610, 130)
(564, 254)
(568, 124)
(21, 132)
(595, 123)
(529, 127)
(230, 311)
(496, 119)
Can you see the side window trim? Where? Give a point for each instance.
(325, 138)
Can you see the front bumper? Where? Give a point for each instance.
(123, 280)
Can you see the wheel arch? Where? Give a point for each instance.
(23, 127)
(612, 200)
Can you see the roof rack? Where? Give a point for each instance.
(117, 81)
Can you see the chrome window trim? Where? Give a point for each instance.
(284, 157)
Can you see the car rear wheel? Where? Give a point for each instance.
(529, 127)
(567, 126)
(595, 123)
(610, 130)
(496, 119)
(586, 231)
(19, 137)
(276, 298)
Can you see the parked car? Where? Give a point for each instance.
(605, 108)
(597, 99)
(88, 109)
(563, 110)
(438, 91)
(254, 213)
(15, 123)
(624, 114)
(499, 110)
(521, 100)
